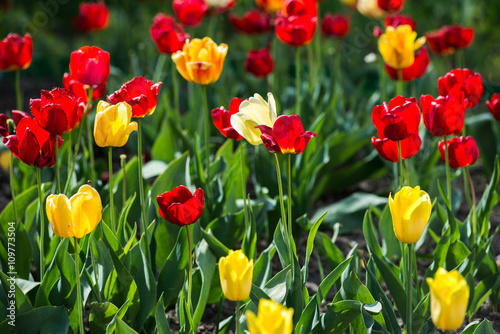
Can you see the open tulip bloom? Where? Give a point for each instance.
(397, 46)
(464, 84)
(141, 94)
(397, 120)
(222, 119)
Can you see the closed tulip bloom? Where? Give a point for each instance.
(167, 35)
(494, 105)
(190, 12)
(271, 318)
(415, 70)
(296, 30)
(443, 116)
(259, 63)
(398, 120)
(236, 273)
(391, 5)
(252, 22)
(90, 65)
(464, 84)
(410, 211)
(222, 119)
(253, 112)
(201, 60)
(396, 20)
(397, 46)
(180, 206)
(335, 25)
(270, 6)
(92, 16)
(16, 52)
(112, 125)
(388, 149)
(449, 298)
(462, 152)
(76, 216)
(448, 39)
(140, 94)
(81, 90)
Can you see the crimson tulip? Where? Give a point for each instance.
(396, 20)
(398, 120)
(391, 5)
(81, 90)
(414, 71)
(190, 12)
(252, 22)
(16, 52)
(448, 39)
(222, 119)
(388, 149)
(296, 30)
(180, 206)
(443, 116)
(335, 25)
(139, 93)
(287, 135)
(89, 65)
(259, 63)
(462, 151)
(92, 16)
(300, 7)
(494, 105)
(168, 36)
(464, 84)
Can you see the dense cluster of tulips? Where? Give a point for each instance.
(113, 260)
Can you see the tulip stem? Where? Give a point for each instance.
(474, 214)
(207, 136)
(297, 81)
(58, 177)
(175, 86)
(290, 234)
(406, 173)
(447, 162)
(96, 277)
(282, 205)
(12, 190)
(401, 175)
(190, 273)
(19, 99)
(409, 305)
(42, 227)
(400, 83)
(90, 139)
(237, 318)
(243, 185)
(141, 190)
(111, 202)
(78, 287)
(123, 163)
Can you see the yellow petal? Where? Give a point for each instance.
(58, 208)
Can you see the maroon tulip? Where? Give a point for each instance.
(287, 135)
(398, 120)
(259, 63)
(462, 152)
(190, 12)
(81, 90)
(414, 71)
(388, 149)
(464, 84)
(180, 207)
(222, 119)
(494, 105)
(92, 16)
(140, 93)
(396, 20)
(253, 22)
(443, 116)
(16, 52)
(449, 38)
(168, 36)
(89, 65)
(391, 5)
(335, 25)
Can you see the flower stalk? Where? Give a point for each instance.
(42, 224)
(141, 189)
(78, 287)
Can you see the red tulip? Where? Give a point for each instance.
(92, 16)
(168, 36)
(190, 12)
(462, 152)
(222, 119)
(296, 30)
(335, 25)
(414, 71)
(89, 65)
(494, 105)
(259, 63)
(391, 5)
(16, 52)
(464, 84)
(140, 93)
(253, 22)
(57, 111)
(388, 149)
(33, 145)
(398, 120)
(396, 20)
(180, 207)
(287, 135)
(81, 90)
(16, 117)
(300, 7)
(443, 116)
(449, 38)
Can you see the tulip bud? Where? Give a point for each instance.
(112, 125)
(272, 318)
(235, 273)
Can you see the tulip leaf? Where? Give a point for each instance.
(50, 278)
(262, 268)
(371, 235)
(166, 135)
(22, 201)
(327, 249)
(123, 328)
(131, 174)
(122, 220)
(22, 251)
(228, 229)
(256, 294)
(44, 320)
(281, 244)
(485, 327)
(22, 302)
(482, 291)
(249, 243)
(457, 253)
(101, 314)
(421, 313)
(161, 320)
(390, 243)
(481, 126)
(276, 287)
(488, 200)
(206, 262)
(309, 247)
(338, 317)
(215, 245)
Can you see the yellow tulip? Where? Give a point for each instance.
(449, 299)
(112, 125)
(410, 211)
(200, 60)
(254, 111)
(235, 273)
(76, 216)
(397, 46)
(270, 6)
(272, 318)
(368, 8)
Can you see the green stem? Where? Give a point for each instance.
(406, 173)
(42, 227)
(159, 67)
(297, 81)
(90, 139)
(123, 162)
(56, 165)
(409, 305)
(19, 99)
(290, 234)
(282, 206)
(400, 83)
(96, 277)
(190, 273)
(111, 201)
(12, 190)
(243, 185)
(175, 86)
(219, 312)
(474, 213)
(401, 175)
(207, 136)
(237, 319)
(78, 287)
(141, 190)
(447, 162)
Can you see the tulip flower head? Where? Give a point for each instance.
(253, 112)
(369, 8)
(190, 12)
(168, 36)
(112, 125)
(464, 84)
(410, 211)
(140, 94)
(80, 90)
(443, 116)
(90, 65)
(252, 22)
(222, 119)
(448, 39)
(201, 60)
(462, 152)
(296, 23)
(259, 63)
(336, 26)
(494, 105)
(271, 318)
(270, 6)
(388, 149)
(398, 120)
(396, 20)
(16, 52)
(391, 6)
(449, 299)
(397, 46)
(180, 206)
(236, 271)
(415, 70)
(92, 16)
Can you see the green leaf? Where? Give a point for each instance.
(22, 201)
(485, 327)
(281, 245)
(206, 263)
(338, 317)
(215, 245)
(457, 253)
(262, 268)
(22, 303)
(44, 320)
(101, 314)
(328, 251)
(371, 235)
(166, 135)
(276, 287)
(123, 328)
(309, 248)
(131, 187)
(122, 221)
(161, 320)
(482, 291)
